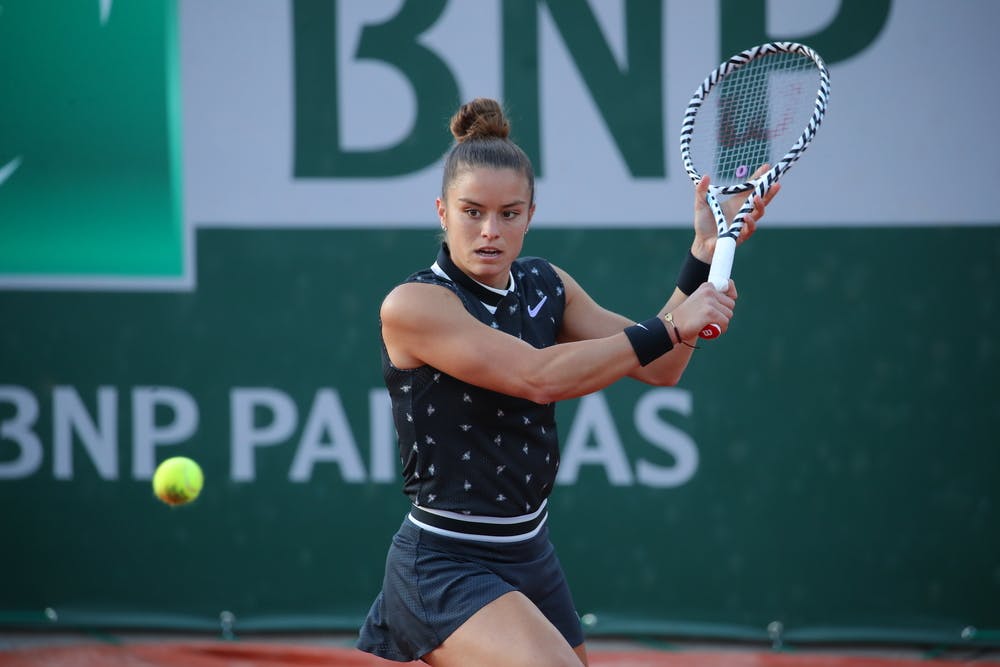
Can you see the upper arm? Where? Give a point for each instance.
(427, 324)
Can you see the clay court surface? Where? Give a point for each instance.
(105, 650)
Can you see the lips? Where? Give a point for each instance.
(488, 252)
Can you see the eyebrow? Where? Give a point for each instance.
(519, 202)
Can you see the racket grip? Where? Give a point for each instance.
(722, 262)
(718, 275)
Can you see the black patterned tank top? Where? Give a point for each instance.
(471, 450)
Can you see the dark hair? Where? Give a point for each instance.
(481, 134)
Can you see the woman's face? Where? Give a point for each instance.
(485, 216)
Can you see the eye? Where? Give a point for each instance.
(510, 215)
(472, 212)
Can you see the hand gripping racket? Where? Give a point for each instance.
(752, 107)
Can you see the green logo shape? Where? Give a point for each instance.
(90, 144)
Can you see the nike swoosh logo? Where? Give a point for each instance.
(534, 311)
(8, 169)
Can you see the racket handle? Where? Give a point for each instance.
(718, 275)
(722, 262)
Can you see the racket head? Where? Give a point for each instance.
(763, 105)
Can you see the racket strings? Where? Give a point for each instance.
(754, 114)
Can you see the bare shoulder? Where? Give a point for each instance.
(569, 283)
(424, 323)
(411, 299)
(420, 310)
(563, 274)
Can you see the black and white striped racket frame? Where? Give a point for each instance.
(762, 184)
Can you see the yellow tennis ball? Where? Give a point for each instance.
(178, 480)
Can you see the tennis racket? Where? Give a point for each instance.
(752, 107)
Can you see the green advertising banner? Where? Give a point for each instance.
(828, 464)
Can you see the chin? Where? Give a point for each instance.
(492, 270)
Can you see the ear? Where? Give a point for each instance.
(531, 214)
(442, 210)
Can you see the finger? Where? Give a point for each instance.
(725, 313)
(761, 170)
(727, 298)
(707, 286)
(701, 191)
(723, 298)
(721, 319)
(769, 195)
(751, 217)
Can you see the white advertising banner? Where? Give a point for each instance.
(907, 132)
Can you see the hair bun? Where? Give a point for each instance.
(482, 118)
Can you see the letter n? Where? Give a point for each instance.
(628, 95)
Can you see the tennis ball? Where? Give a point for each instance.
(178, 480)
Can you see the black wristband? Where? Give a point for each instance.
(693, 273)
(649, 339)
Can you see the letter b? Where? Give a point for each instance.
(318, 150)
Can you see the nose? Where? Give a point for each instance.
(491, 226)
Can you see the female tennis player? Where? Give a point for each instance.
(476, 351)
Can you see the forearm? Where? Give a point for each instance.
(570, 370)
(586, 323)
(668, 369)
